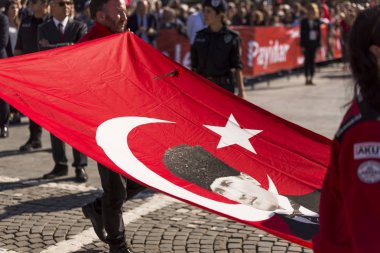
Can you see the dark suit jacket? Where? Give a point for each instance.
(4, 35)
(305, 33)
(74, 31)
(152, 23)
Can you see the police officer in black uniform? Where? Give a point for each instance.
(27, 43)
(216, 51)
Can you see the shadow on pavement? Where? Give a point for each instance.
(7, 153)
(270, 87)
(54, 203)
(340, 76)
(50, 204)
(31, 182)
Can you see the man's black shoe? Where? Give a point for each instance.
(96, 219)
(80, 175)
(29, 145)
(4, 132)
(59, 170)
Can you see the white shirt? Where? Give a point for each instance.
(13, 36)
(63, 22)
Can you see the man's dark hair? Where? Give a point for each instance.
(95, 6)
(8, 5)
(365, 32)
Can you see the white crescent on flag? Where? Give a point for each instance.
(112, 137)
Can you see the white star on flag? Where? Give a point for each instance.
(232, 134)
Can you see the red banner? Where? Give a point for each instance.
(264, 49)
(124, 104)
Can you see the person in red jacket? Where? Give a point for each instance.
(349, 208)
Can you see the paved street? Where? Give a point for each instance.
(45, 216)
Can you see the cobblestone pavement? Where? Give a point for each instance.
(45, 216)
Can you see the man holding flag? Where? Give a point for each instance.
(105, 213)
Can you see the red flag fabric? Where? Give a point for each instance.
(129, 107)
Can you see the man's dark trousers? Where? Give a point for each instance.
(35, 131)
(59, 153)
(4, 113)
(309, 67)
(110, 204)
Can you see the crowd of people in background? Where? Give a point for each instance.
(173, 14)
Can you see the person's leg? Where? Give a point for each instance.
(58, 150)
(35, 131)
(313, 52)
(34, 140)
(4, 119)
(80, 159)
(93, 211)
(59, 157)
(80, 162)
(307, 65)
(114, 187)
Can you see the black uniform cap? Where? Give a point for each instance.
(217, 5)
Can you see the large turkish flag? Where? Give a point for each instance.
(129, 107)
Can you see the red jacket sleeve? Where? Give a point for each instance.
(359, 185)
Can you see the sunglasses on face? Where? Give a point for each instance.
(65, 3)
